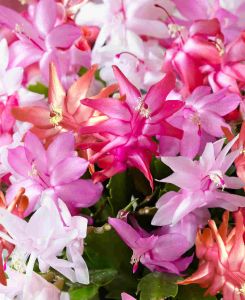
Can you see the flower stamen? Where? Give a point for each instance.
(56, 115)
(143, 109)
(217, 179)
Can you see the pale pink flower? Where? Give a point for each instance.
(201, 119)
(202, 184)
(127, 297)
(44, 237)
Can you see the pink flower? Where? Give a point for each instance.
(132, 122)
(46, 242)
(229, 13)
(202, 184)
(201, 119)
(56, 169)
(41, 39)
(195, 53)
(157, 252)
(221, 259)
(231, 71)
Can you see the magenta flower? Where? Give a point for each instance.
(56, 169)
(132, 122)
(157, 252)
(201, 119)
(43, 38)
(202, 184)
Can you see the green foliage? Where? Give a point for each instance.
(39, 88)
(157, 286)
(88, 292)
(120, 189)
(192, 292)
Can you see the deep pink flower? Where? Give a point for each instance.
(157, 252)
(201, 120)
(202, 184)
(195, 53)
(56, 169)
(132, 122)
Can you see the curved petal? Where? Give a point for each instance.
(68, 170)
(80, 193)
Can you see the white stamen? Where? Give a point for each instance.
(18, 261)
(33, 172)
(174, 29)
(144, 111)
(217, 178)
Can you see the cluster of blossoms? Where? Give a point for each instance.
(96, 93)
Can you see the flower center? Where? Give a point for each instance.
(217, 179)
(242, 289)
(174, 29)
(33, 172)
(56, 115)
(19, 28)
(143, 109)
(18, 261)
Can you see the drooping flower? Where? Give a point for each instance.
(132, 122)
(202, 119)
(56, 169)
(221, 259)
(46, 242)
(202, 184)
(42, 37)
(64, 111)
(157, 252)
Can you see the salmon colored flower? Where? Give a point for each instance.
(64, 111)
(222, 259)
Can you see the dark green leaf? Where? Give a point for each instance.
(120, 187)
(102, 277)
(157, 286)
(104, 250)
(38, 88)
(158, 169)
